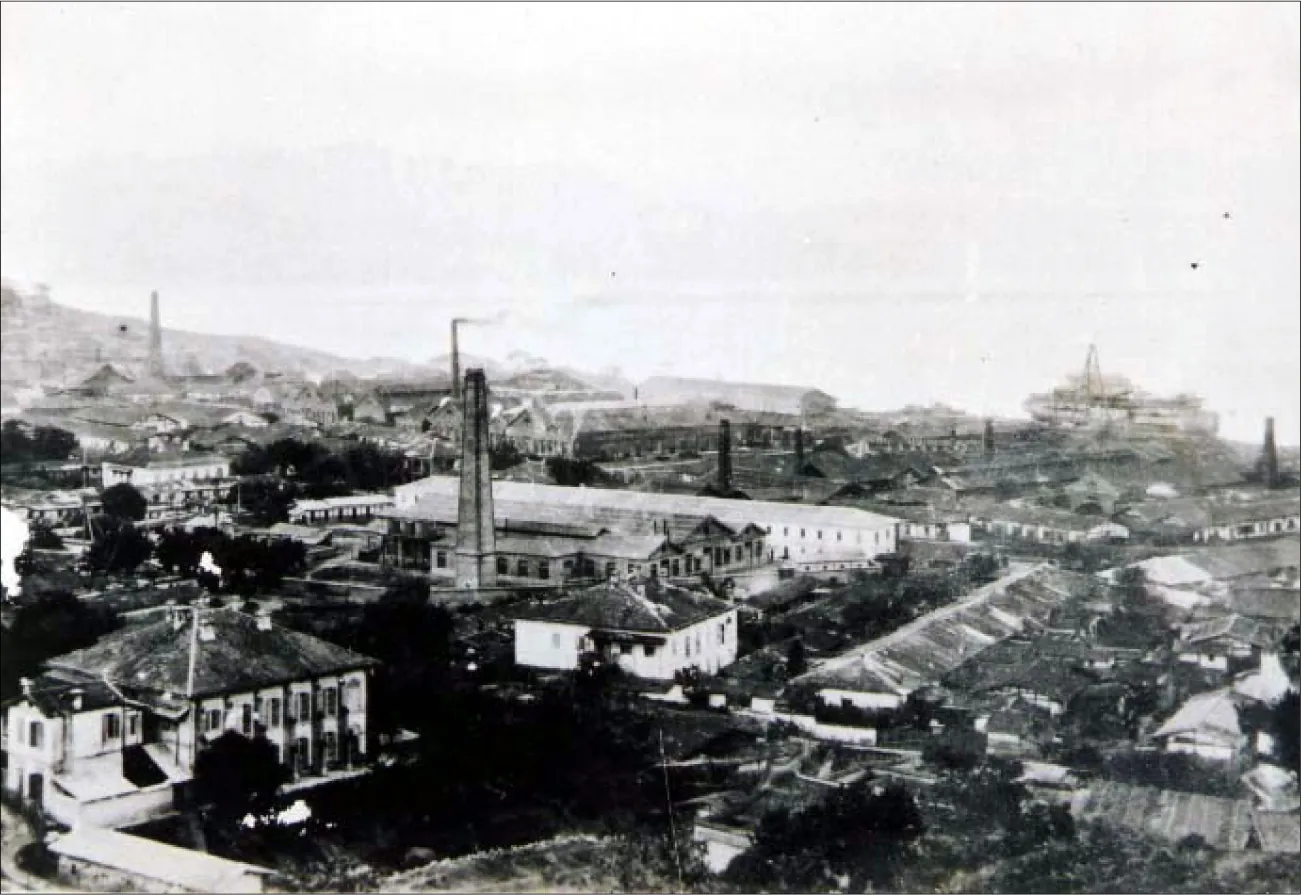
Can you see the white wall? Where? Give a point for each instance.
(709, 645)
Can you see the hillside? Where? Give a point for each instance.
(49, 344)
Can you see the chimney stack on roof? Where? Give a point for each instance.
(26, 684)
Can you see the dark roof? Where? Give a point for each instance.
(629, 607)
(156, 656)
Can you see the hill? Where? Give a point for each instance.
(48, 344)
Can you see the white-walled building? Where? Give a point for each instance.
(792, 531)
(649, 630)
(350, 508)
(109, 735)
(183, 468)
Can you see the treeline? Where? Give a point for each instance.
(44, 444)
(316, 471)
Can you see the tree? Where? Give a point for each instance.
(118, 546)
(15, 444)
(855, 838)
(237, 775)
(1286, 727)
(796, 661)
(53, 443)
(55, 624)
(504, 455)
(124, 501)
(43, 537)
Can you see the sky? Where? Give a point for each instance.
(897, 203)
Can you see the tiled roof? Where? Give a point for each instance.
(922, 652)
(1208, 713)
(620, 606)
(540, 502)
(156, 656)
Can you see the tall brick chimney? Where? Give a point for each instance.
(155, 338)
(1269, 455)
(724, 457)
(988, 440)
(476, 542)
(799, 450)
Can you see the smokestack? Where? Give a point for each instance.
(799, 450)
(476, 545)
(1269, 456)
(456, 364)
(155, 338)
(724, 457)
(989, 437)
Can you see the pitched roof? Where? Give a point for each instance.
(1213, 713)
(620, 606)
(923, 651)
(520, 500)
(156, 656)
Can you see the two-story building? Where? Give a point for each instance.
(649, 629)
(109, 735)
(159, 470)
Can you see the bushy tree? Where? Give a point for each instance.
(236, 775)
(1285, 726)
(55, 624)
(124, 501)
(118, 546)
(855, 838)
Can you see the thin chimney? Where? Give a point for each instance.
(456, 363)
(724, 457)
(799, 450)
(476, 545)
(1269, 456)
(155, 338)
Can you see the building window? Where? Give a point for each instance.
(36, 734)
(246, 719)
(819, 534)
(544, 570)
(687, 641)
(331, 746)
(649, 650)
(331, 702)
(555, 640)
(801, 532)
(722, 634)
(632, 568)
(677, 568)
(214, 719)
(522, 568)
(838, 536)
(303, 755)
(440, 559)
(112, 726)
(610, 570)
(304, 706)
(503, 566)
(274, 703)
(133, 724)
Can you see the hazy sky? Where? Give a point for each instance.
(895, 202)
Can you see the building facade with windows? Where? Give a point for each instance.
(648, 629)
(110, 734)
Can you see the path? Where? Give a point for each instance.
(15, 832)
